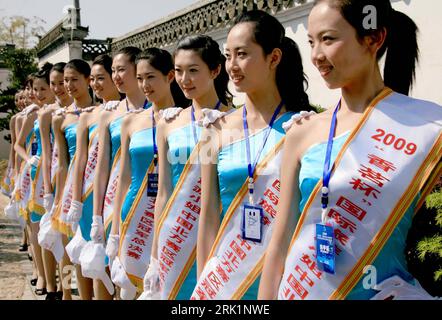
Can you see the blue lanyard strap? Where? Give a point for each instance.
(145, 105)
(251, 167)
(155, 148)
(76, 111)
(192, 118)
(327, 170)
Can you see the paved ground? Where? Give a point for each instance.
(15, 267)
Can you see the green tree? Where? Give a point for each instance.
(424, 244)
(21, 31)
(21, 63)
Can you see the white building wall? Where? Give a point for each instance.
(67, 51)
(426, 14)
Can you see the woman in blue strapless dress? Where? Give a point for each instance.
(43, 96)
(306, 143)
(201, 75)
(86, 164)
(65, 123)
(135, 196)
(261, 64)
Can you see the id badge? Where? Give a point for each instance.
(152, 184)
(252, 217)
(34, 148)
(325, 247)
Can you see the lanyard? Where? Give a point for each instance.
(76, 110)
(192, 118)
(144, 105)
(327, 170)
(155, 148)
(250, 167)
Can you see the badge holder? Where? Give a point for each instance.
(325, 247)
(152, 178)
(34, 148)
(251, 226)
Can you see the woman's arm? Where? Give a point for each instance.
(45, 119)
(81, 155)
(285, 221)
(103, 161)
(13, 139)
(125, 175)
(63, 156)
(164, 182)
(26, 128)
(209, 220)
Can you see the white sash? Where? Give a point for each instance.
(91, 164)
(54, 164)
(37, 193)
(178, 229)
(59, 219)
(111, 190)
(377, 174)
(24, 184)
(234, 263)
(24, 188)
(137, 234)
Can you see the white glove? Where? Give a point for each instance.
(399, 289)
(113, 242)
(97, 229)
(49, 238)
(170, 113)
(151, 281)
(11, 210)
(120, 278)
(295, 118)
(48, 201)
(111, 105)
(93, 265)
(210, 116)
(75, 247)
(34, 161)
(75, 212)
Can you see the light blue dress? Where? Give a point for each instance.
(115, 135)
(391, 260)
(85, 222)
(233, 172)
(70, 133)
(141, 156)
(35, 217)
(181, 142)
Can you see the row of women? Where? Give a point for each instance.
(170, 193)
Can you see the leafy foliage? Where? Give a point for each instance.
(424, 244)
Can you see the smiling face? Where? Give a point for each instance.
(123, 73)
(246, 64)
(42, 91)
(154, 84)
(101, 82)
(340, 57)
(76, 84)
(29, 95)
(193, 75)
(56, 83)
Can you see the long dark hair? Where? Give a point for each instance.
(162, 61)
(80, 66)
(130, 52)
(290, 78)
(44, 72)
(58, 67)
(208, 50)
(401, 41)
